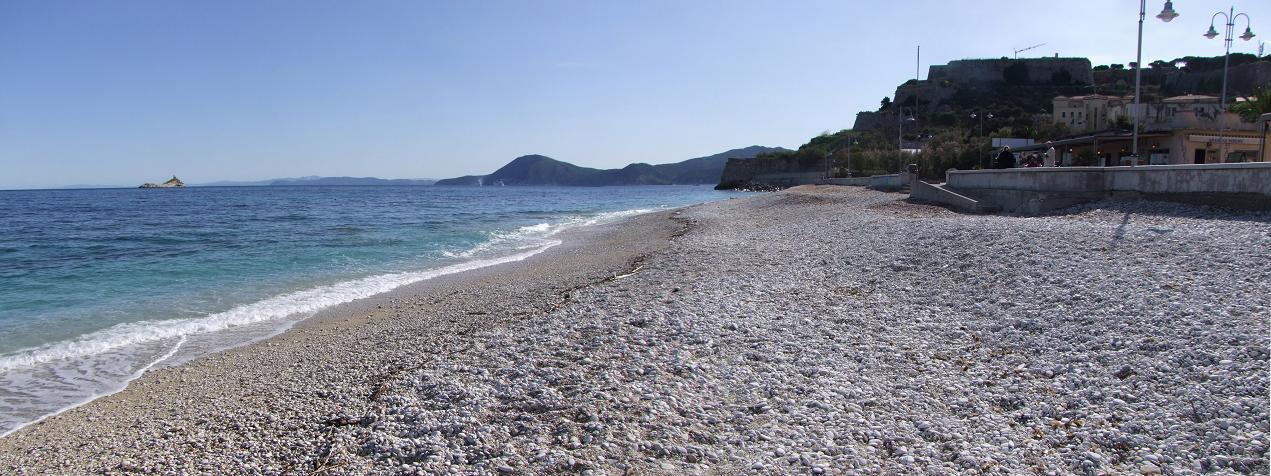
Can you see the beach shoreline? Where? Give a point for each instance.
(819, 330)
(593, 253)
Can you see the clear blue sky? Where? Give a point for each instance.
(121, 92)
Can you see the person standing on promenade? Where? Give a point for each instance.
(1005, 159)
(1051, 155)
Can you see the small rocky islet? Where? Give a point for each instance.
(173, 182)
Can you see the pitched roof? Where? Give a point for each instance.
(1191, 98)
(1090, 97)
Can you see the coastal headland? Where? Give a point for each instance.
(817, 330)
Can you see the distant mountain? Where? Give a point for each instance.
(233, 183)
(349, 181)
(541, 170)
(314, 180)
(86, 186)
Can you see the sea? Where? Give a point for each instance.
(98, 286)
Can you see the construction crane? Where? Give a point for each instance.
(1017, 52)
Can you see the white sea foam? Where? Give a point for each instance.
(501, 239)
(42, 381)
(300, 302)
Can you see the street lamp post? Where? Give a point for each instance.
(850, 143)
(830, 154)
(900, 137)
(1231, 16)
(1166, 15)
(1265, 126)
(826, 175)
(982, 116)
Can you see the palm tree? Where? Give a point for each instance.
(1257, 105)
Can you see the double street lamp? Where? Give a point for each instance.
(850, 143)
(1167, 14)
(982, 117)
(829, 155)
(1230, 15)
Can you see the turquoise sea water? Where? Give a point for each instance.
(97, 286)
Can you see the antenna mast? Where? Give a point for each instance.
(918, 63)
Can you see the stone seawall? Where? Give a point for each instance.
(771, 172)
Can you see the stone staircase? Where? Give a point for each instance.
(939, 193)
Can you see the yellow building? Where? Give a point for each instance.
(1189, 129)
(1090, 113)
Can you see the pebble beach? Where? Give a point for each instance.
(817, 330)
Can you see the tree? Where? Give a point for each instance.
(885, 104)
(1123, 123)
(946, 119)
(1052, 130)
(1257, 105)
(1117, 66)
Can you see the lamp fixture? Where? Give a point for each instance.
(1168, 13)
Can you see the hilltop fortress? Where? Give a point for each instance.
(1028, 70)
(939, 87)
(970, 83)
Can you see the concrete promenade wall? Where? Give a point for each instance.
(1250, 178)
(1035, 190)
(854, 181)
(789, 179)
(1038, 179)
(1221, 178)
(881, 182)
